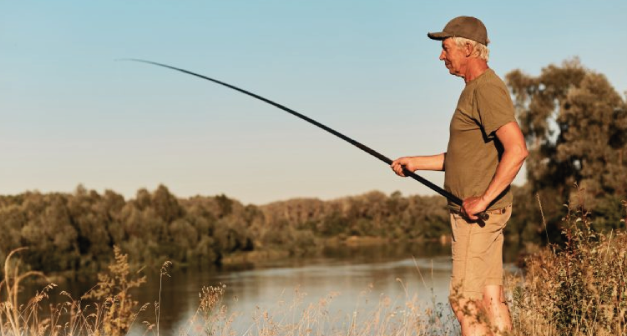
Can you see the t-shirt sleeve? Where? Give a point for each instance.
(494, 108)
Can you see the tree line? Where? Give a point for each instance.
(574, 121)
(77, 231)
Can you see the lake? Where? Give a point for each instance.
(340, 286)
(354, 276)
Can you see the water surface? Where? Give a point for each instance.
(343, 280)
(349, 279)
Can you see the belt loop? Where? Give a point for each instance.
(500, 211)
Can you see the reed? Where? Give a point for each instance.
(579, 288)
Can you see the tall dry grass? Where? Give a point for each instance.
(579, 288)
(113, 311)
(296, 317)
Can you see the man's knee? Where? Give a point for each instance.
(464, 307)
(493, 296)
(455, 303)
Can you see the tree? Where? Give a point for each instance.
(575, 124)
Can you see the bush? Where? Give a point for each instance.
(579, 288)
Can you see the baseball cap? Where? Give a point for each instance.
(463, 26)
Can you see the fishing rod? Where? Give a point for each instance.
(483, 215)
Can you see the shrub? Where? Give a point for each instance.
(578, 288)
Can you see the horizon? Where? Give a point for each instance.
(152, 190)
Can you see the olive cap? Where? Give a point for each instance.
(463, 26)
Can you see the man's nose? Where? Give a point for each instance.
(442, 56)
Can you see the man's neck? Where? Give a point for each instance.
(476, 67)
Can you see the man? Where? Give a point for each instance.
(485, 152)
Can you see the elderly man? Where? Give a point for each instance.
(485, 152)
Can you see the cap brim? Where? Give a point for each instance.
(438, 36)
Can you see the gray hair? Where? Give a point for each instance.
(480, 50)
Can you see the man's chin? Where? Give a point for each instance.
(452, 72)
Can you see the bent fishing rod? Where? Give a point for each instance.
(483, 215)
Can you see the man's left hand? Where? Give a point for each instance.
(474, 205)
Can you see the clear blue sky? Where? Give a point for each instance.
(71, 114)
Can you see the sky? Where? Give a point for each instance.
(72, 112)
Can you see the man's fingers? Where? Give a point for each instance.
(400, 171)
(467, 214)
(397, 168)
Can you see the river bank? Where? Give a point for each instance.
(357, 291)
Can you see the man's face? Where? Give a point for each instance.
(454, 57)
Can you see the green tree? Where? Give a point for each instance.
(12, 219)
(166, 205)
(575, 124)
(90, 218)
(49, 233)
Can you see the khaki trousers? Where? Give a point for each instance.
(477, 253)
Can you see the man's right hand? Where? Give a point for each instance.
(406, 162)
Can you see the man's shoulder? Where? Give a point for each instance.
(491, 81)
(490, 86)
(487, 84)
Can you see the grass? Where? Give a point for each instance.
(576, 289)
(579, 288)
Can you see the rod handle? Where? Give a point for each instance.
(484, 216)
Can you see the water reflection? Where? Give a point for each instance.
(354, 276)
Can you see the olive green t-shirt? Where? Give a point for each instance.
(473, 150)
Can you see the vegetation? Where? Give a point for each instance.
(579, 288)
(575, 124)
(70, 232)
(112, 311)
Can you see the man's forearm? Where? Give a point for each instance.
(506, 171)
(430, 162)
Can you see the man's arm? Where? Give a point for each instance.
(413, 163)
(514, 154)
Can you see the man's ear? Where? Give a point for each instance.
(468, 49)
